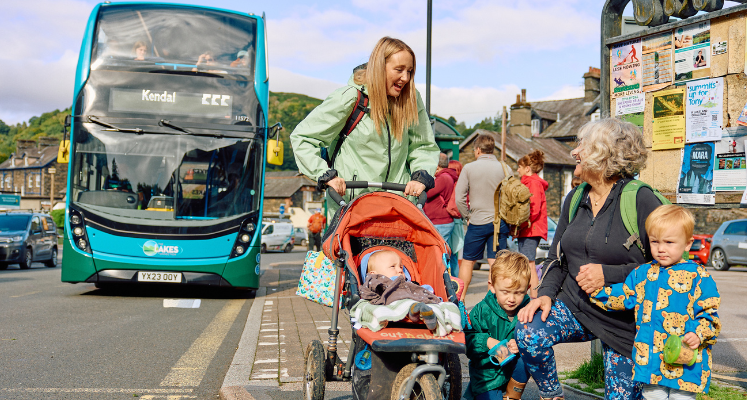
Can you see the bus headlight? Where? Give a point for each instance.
(244, 238)
(77, 224)
(78, 231)
(239, 250)
(82, 244)
(74, 219)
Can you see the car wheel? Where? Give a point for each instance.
(28, 258)
(718, 260)
(263, 249)
(304, 242)
(288, 248)
(52, 262)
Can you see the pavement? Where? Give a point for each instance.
(268, 363)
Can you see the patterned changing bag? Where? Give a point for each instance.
(317, 281)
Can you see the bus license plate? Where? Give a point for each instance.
(171, 277)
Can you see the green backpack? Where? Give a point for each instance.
(627, 209)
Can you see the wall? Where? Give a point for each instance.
(659, 171)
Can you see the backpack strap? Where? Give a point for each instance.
(629, 213)
(356, 115)
(578, 195)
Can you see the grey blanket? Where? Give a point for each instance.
(380, 290)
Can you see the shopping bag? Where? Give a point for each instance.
(317, 281)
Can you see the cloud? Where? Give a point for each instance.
(470, 105)
(282, 80)
(565, 92)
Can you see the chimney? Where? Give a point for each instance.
(521, 116)
(591, 85)
(47, 141)
(22, 145)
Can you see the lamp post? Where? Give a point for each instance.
(52, 171)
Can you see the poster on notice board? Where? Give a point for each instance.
(657, 61)
(704, 116)
(696, 175)
(730, 172)
(692, 52)
(669, 119)
(625, 68)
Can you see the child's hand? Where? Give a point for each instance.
(512, 347)
(691, 339)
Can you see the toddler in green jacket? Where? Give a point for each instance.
(494, 320)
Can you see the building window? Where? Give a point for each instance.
(38, 180)
(535, 127)
(31, 181)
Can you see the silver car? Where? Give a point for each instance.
(302, 237)
(729, 245)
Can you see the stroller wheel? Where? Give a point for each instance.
(425, 388)
(452, 389)
(313, 388)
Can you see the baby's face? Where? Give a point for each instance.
(388, 264)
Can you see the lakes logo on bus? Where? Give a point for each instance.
(152, 248)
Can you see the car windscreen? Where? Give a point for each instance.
(174, 38)
(9, 223)
(697, 245)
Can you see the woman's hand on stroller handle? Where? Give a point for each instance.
(338, 185)
(334, 185)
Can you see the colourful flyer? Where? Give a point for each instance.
(625, 68)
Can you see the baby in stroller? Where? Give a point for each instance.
(389, 295)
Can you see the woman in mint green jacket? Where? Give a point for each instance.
(393, 142)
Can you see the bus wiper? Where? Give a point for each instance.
(168, 124)
(111, 127)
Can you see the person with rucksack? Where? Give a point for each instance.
(601, 237)
(438, 198)
(315, 226)
(479, 180)
(535, 229)
(373, 129)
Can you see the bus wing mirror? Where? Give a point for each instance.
(275, 147)
(63, 153)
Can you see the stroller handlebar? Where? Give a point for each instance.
(398, 187)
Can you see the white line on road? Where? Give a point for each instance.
(181, 303)
(192, 366)
(27, 294)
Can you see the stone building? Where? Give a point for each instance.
(292, 189)
(26, 172)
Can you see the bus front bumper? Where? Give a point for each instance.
(131, 276)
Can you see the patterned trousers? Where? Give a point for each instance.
(535, 340)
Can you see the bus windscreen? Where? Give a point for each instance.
(173, 38)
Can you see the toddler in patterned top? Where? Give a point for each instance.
(671, 296)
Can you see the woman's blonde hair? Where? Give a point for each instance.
(612, 148)
(534, 160)
(403, 109)
(512, 265)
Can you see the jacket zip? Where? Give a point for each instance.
(389, 151)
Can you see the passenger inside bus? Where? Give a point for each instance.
(139, 50)
(243, 59)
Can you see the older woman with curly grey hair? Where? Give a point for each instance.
(609, 154)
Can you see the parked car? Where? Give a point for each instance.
(542, 250)
(701, 249)
(277, 235)
(301, 236)
(729, 245)
(26, 237)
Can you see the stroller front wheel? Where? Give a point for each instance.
(313, 388)
(425, 388)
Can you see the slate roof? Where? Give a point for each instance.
(37, 158)
(574, 113)
(284, 184)
(517, 146)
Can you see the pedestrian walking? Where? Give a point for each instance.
(315, 226)
(535, 229)
(438, 198)
(478, 180)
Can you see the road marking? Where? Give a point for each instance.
(181, 303)
(26, 294)
(193, 364)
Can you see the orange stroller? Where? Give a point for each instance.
(431, 367)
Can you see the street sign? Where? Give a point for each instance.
(282, 209)
(10, 201)
(52, 170)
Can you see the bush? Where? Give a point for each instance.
(59, 218)
(591, 372)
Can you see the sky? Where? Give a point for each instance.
(483, 51)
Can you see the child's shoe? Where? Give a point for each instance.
(421, 311)
(514, 390)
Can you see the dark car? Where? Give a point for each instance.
(729, 245)
(701, 249)
(26, 238)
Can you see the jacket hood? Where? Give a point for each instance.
(534, 177)
(449, 171)
(491, 301)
